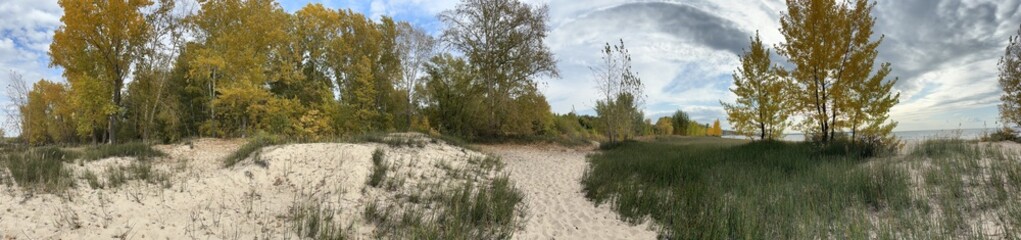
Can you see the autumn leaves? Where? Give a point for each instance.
(832, 85)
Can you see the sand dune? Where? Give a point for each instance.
(252, 199)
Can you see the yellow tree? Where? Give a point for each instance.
(664, 126)
(1010, 81)
(96, 47)
(243, 47)
(829, 44)
(761, 108)
(47, 115)
(716, 130)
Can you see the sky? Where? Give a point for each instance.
(944, 52)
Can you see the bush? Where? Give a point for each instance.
(1002, 134)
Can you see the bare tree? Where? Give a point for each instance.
(17, 93)
(622, 93)
(414, 48)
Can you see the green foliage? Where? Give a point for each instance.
(622, 94)
(760, 190)
(40, 169)
(1009, 78)
(379, 168)
(681, 122)
(504, 43)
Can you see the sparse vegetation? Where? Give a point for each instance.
(795, 191)
(139, 150)
(379, 168)
(253, 145)
(143, 171)
(312, 219)
(40, 169)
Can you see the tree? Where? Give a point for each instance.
(17, 93)
(762, 108)
(830, 46)
(243, 47)
(96, 47)
(47, 115)
(504, 39)
(680, 122)
(716, 131)
(1010, 81)
(414, 47)
(152, 110)
(451, 97)
(622, 93)
(664, 126)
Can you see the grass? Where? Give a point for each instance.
(40, 169)
(117, 176)
(471, 207)
(721, 189)
(379, 169)
(138, 150)
(314, 220)
(468, 212)
(253, 145)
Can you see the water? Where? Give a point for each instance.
(974, 133)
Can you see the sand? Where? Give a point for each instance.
(205, 200)
(253, 199)
(556, 206)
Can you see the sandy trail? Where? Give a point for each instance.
(555, 205)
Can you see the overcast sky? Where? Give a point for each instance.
(943, 51)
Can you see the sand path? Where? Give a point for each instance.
(556, 208)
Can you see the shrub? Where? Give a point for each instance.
(1002, 134)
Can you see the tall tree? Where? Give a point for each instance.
(243, 47)
(96, 47)
(681, 122)
(621, 92)
(829, 44)
(505, 40)
(762, 107)
(415, 47)
(1010, 81)
(664, 126)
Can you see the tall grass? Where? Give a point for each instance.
(253, 145)
(139, 150)
(760, 190)
(471, 211)
(40, 168)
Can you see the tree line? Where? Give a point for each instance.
(138, 69)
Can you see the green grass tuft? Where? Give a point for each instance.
(379, 169)
(139, 150)
(253, 145)
(40, 169)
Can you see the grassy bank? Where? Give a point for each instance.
(717, 189)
